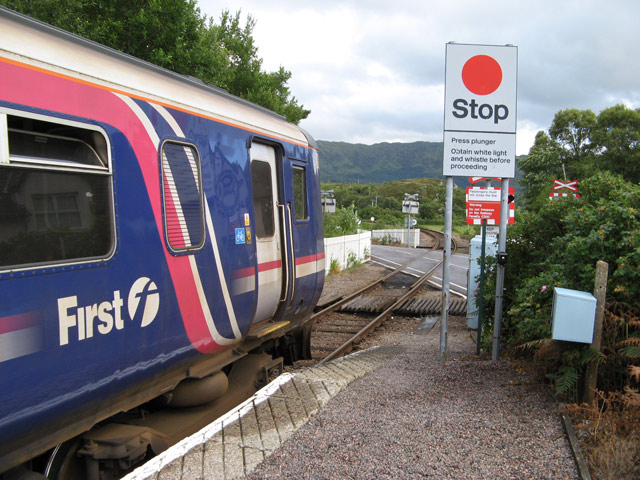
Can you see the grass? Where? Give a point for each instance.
(334, 266)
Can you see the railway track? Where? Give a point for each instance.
(438, 239)
(340, 326)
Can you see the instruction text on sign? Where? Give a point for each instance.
(473, 153)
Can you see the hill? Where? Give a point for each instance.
(342, 162)
(378, 163)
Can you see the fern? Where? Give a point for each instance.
(630, 347)
(589, 355)
(631, 341)
(630, 351)
(534, 344)
(566, 380)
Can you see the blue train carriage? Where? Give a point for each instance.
(160, 240)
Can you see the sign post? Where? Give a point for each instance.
(483, 207)
(479, 138)
(481, 292)
(328, 201)
(410, 205)
(502, 261)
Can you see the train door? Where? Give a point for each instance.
(273, 275)
(300, 234)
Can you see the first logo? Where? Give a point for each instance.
(143, 304)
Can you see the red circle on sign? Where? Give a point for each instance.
(482, 75)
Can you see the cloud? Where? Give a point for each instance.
(374, 71)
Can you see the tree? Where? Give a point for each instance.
(580, 144)
(175, 35)
(616, 137)
(161, 32)
(539, 168)
(571, 132)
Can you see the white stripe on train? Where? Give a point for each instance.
(213, 331)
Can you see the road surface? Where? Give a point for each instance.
(420, 261)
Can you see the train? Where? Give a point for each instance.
(161, 249)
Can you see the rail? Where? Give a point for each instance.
(438, 239)
(346, 346)
(336, 305)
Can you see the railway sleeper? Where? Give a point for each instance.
(328, 344)
(350, 330)
(352, 322)
(323, 349)
(332, 337)
(368, 304)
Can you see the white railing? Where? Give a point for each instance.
(398, 235)
(347, 249)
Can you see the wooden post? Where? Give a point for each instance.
(600, 292)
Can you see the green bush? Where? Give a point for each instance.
(353, 261)
(343, 222)
(558, 245)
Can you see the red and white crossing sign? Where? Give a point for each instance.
(571, 185)
(474, 180)
(484, 204)
(554, 195)
(568, 185)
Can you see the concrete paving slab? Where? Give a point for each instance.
(232, 446)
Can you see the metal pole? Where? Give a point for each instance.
(502, 250)
(446, 253)
(481, 292)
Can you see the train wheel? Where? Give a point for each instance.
(64, 462)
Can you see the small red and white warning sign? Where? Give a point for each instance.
(565, 185)
(571, 185)
(484, 204)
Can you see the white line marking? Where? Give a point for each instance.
(381, 260)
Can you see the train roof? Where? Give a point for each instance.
(29, 41)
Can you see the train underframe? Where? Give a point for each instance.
(210, 388)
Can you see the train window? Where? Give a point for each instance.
(55, 192)
(183, 200)
(262, 198)
(300, 192)
(38, 142)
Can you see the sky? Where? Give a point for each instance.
(372, 71)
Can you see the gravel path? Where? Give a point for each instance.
(418, 417)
